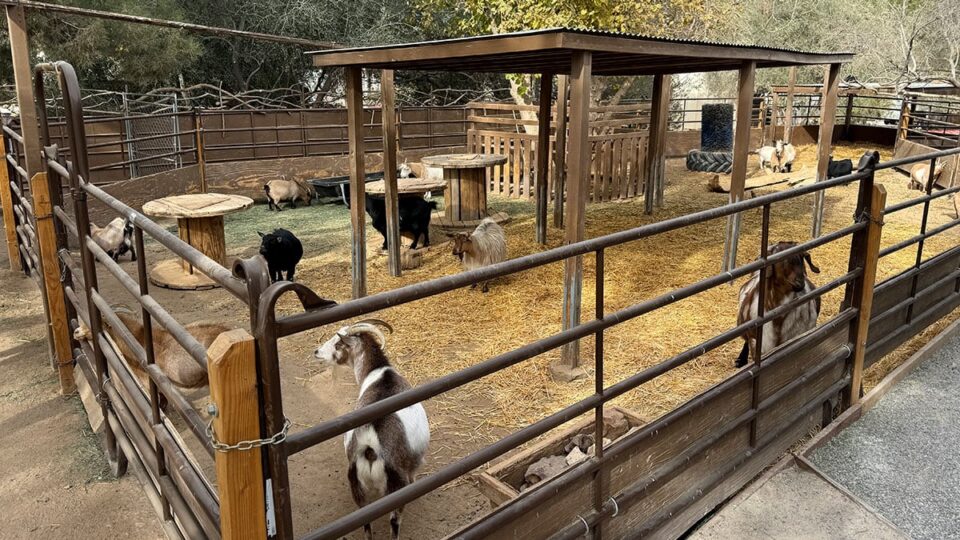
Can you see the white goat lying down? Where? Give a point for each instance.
(385, 454)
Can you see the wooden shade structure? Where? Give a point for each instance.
(576, 54)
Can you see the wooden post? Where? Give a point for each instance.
(848, 116)
(56, 306)
(762, 122)
(388, 96)
(231, 361)
(656, 143)
(543, 154)
(198, 141)
(23, 76)
(788, 106)
(904, 127)
(358, 217)
(560, 165)
(741, 151)
(828, 114)
(577, 191)
(9, 220)
(863, 299)
(774, 113)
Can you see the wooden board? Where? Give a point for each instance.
(720, 183)
(465, 161)
(497, 481)
(408, 186)
(197, 205)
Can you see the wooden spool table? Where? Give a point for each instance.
(407, 187)
(200, 224)
(465, 201)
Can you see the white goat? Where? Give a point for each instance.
(767, 156)
(115, 238)
(786, 154)
(486, 245)
(385, 454)
(406, 171)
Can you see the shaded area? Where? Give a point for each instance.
(902, 457)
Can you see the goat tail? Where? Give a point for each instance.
(266, 188)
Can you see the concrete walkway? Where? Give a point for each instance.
(903, 456)
(894, 473)
(796, 504)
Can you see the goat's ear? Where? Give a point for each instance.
(813, 267)
(261, 234)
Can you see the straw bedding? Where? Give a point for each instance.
(452, 331)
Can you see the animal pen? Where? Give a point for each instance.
(656, 481)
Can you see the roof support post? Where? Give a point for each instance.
(388, 101)
(656, 143)
(23, 77)
(560, 163)
(543, 155)
(828, 115)
(741, 150)
(788, 108)
(577, 189)
(358, 218)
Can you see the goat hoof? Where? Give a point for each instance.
(739, 363)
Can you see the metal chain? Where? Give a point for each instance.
(866, 217)
(277, 438)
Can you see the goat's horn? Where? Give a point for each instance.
(361, 327)
(377, 322)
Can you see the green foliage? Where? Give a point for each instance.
(113, 54)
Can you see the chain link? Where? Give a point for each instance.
(277, 438)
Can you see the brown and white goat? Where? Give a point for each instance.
(385, 454)
(920, 175)
(181, 368)
(287, 190)
(486, 245)
(786, 280)
(116, 238)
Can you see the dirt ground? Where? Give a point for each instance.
(54, 480)
(458, 329)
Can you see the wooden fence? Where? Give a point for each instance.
(618, 145)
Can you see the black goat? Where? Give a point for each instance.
(836, 169)
(414, 215)
(283, 251)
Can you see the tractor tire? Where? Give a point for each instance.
(717, 162)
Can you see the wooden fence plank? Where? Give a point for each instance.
(9, 223)
(233, 390)
(56, 301)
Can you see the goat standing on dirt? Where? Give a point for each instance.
(385, 454)
(920, 175)
(286, 190)
(116, 238)
(786, 154)
(767, 156)
(786, 280)
(486, 245)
